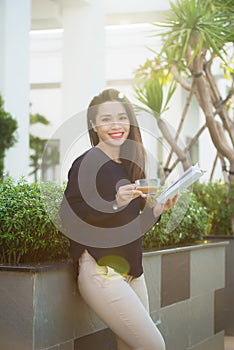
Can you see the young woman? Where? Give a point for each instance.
(110, 219)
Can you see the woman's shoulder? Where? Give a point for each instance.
(78, 160)
(89, 155)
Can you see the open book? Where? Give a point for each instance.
(185, 180)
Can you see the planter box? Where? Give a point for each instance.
(229, 283)
(41, 308)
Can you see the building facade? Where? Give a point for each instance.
(74, 50)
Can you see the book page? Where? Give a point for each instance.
(184, 181)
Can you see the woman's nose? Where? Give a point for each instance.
(116, 124)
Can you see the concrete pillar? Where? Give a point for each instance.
(83, 53)
(14, 78)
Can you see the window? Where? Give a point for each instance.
(50, 161)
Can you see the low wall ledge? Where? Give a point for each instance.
(186, 248)
(35, 268)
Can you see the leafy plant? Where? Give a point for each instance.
(197, 51)
(8, 126)
(195, 24)
(151, 95)
(37, 144)
(27, 232)
(30, 224)
(218, 199)
(195, 224)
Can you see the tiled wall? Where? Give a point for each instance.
(43, 310)
(191, 285)
(224, 298)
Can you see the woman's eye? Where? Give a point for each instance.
(105, 120)
(124, 118)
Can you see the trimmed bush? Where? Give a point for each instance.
(27, 233)
(219, 201)
(186, 223)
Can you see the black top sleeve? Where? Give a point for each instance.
(90, 194)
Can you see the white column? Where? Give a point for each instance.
(83, 54)
(14, 78)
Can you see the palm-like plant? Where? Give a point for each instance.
(199, 30)
(151, 94)
(196, 35)
(197, 26)
(153, 101)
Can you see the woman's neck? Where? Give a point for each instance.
(111, 152)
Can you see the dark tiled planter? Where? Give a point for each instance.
(41, 308)
(225, 299)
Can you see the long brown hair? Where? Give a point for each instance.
(132, 153)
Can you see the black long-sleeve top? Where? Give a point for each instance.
(112, 237)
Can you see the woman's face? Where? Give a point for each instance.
(112, 124)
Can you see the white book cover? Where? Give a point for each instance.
(190, 176)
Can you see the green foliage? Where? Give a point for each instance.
(37, 144)
(155, 68)
(197, 25)
(8, 126)
(219, 200)
(27, 232)
(151, 95)
(191, 28)
(194, 225)
(38, 118)
(29, 220)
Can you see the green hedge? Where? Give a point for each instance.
(186, 223)
(27, 233)
(218, 198)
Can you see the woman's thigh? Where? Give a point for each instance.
(139, 286)
(117, 304)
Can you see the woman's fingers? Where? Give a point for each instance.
(160, 208)
(171, 202)
(126, 194)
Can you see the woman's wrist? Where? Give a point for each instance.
(115, 206)
(158, 210)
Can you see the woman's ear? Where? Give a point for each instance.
(93, 126)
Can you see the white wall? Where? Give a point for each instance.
(134, 6)
(126, 47)
(14, 79)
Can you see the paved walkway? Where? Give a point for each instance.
(229, 343)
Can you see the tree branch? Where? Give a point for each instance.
(188, 101)
(224, 147)
(179, 79)
(170, 139)
(219, 103)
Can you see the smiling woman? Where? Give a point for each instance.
(105, 218)
(112, 126)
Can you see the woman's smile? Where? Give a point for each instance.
(112, 124)
(116, 135)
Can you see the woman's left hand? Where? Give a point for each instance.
(160, 208)
(126, 194)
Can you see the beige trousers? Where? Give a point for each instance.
(121, 303)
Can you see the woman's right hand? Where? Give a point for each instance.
(160, 208)
(126, 194)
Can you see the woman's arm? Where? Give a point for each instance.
(83, 198)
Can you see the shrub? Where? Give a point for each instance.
(219, 201)
(8, 126)
(27, 233)
(186, 223)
